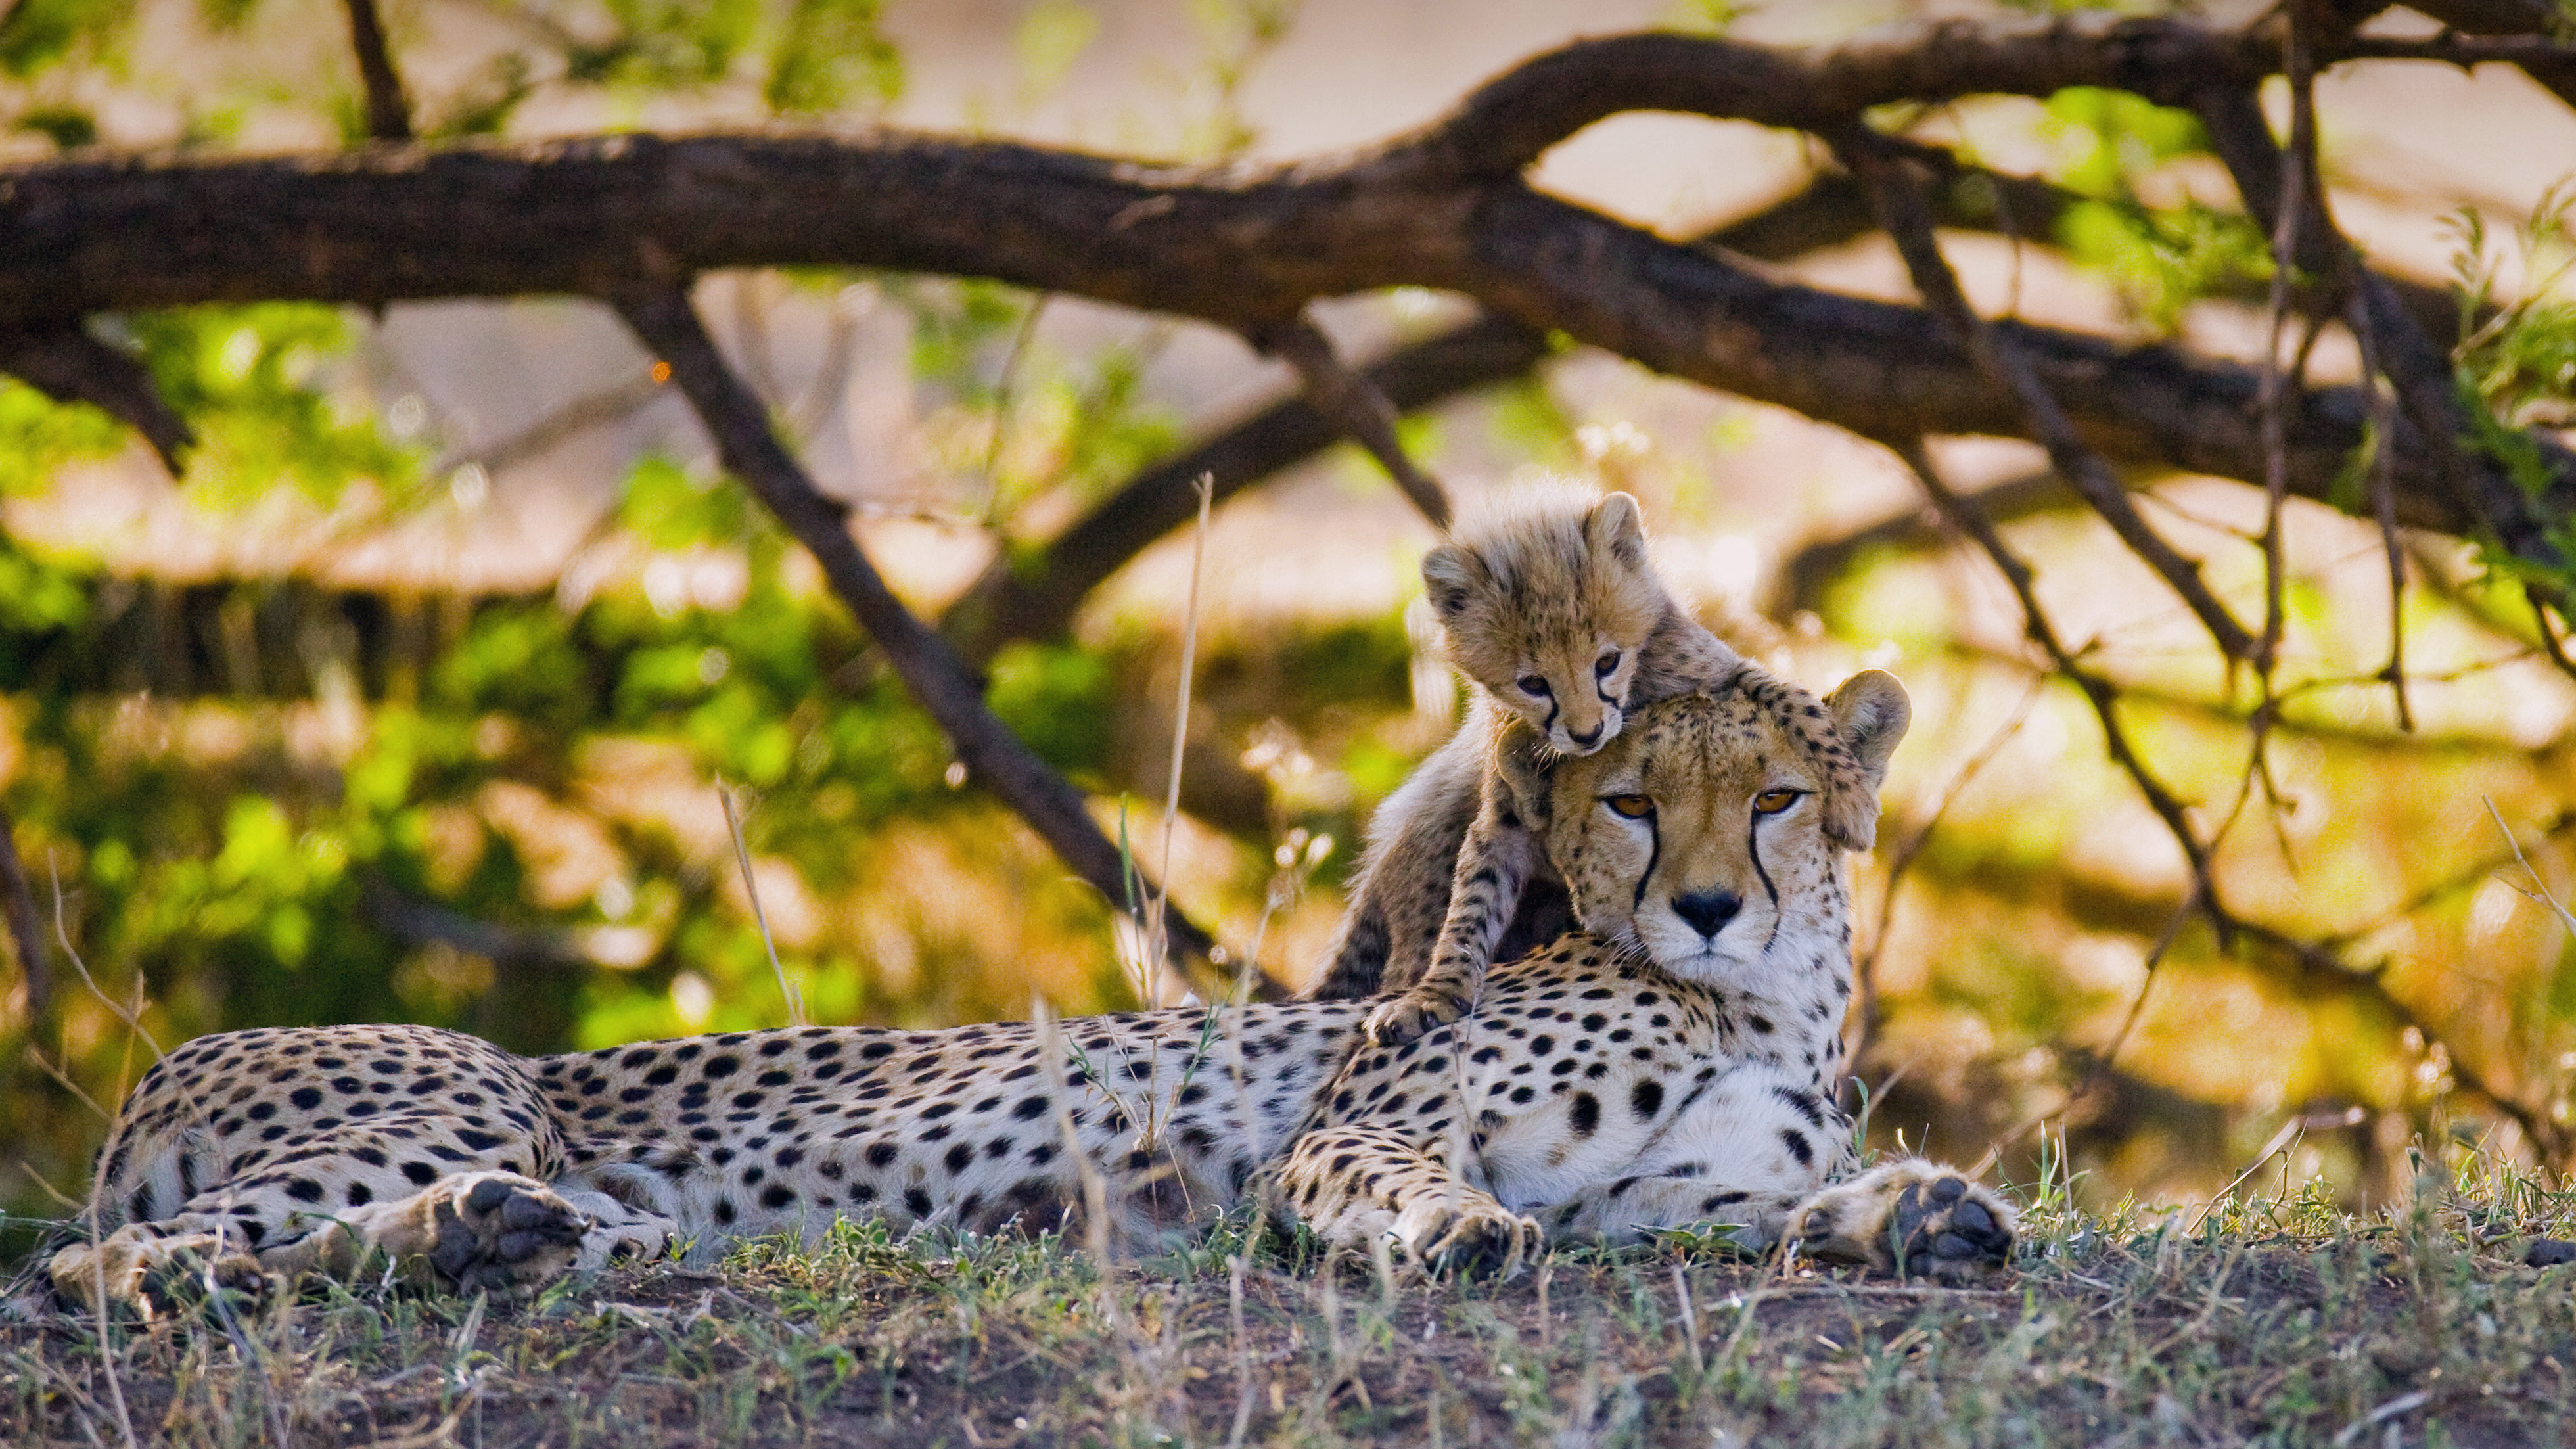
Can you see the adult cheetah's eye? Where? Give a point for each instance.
(1630, 807)
(1532, 684)
(1772, 802)
(1602, 667)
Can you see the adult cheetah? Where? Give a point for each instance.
(1671, 1064)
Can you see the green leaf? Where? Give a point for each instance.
(829, 52)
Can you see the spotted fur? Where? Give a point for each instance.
(1548, 604)
(1661, 1067)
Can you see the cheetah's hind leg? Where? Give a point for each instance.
(1909, 1217)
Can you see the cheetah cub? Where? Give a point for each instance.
(1546, 602)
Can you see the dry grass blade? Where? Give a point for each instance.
(751, 888)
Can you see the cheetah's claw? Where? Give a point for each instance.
(1416, 1013)
(1483, 1243)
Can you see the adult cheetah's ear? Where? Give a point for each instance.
(1870, 713)
(1452, 577)
(1616, 528)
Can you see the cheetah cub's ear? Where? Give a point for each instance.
(1615, 528)
(1870, 713)
(1455, 580)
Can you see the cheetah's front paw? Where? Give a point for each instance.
(1416, 1013)
(1909, 1217)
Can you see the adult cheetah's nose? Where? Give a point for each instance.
(1707, 911)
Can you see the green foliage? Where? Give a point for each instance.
(261, 386)
(39, 435)
(2515, 364)
(669, 43)
(830, 51)
(1057, 700)
(38, 34)
(2160, 259)
(2163, 261)
(36, 595)
(1052, 35)
(666, 507)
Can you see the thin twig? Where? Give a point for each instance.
(1005, 394)
(1354, 405)
(2098, 692)
(1902, 859)
(1907, 215)
(954, 697)
(2538, 889)
(2383, 507)
(583, 413)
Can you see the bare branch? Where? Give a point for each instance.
(1356, 407)
(388, 112)
(1907, 215)
(2098, 692)
(2419, 368)
(578, 416)
(65, 363)
(1237, 247)
(668, 325)
(1804, 576)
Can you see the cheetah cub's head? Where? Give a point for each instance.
(1545, 597)
(1710, 835)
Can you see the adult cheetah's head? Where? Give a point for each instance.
(1710, 834)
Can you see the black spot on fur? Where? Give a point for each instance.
(1647, 1098)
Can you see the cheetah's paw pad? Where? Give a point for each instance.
(1911, 1218)
(501, 1231)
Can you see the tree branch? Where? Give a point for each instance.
(62, 361)
(751, 450)
(1356, 407)
(388, 112)
(1034, 593)
(1907, 215)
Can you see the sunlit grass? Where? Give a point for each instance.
(2275, 1319)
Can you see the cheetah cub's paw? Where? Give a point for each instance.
(1909, 1217)
(488, 1230)
(1416, 1013)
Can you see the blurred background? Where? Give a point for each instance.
(410, 699)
